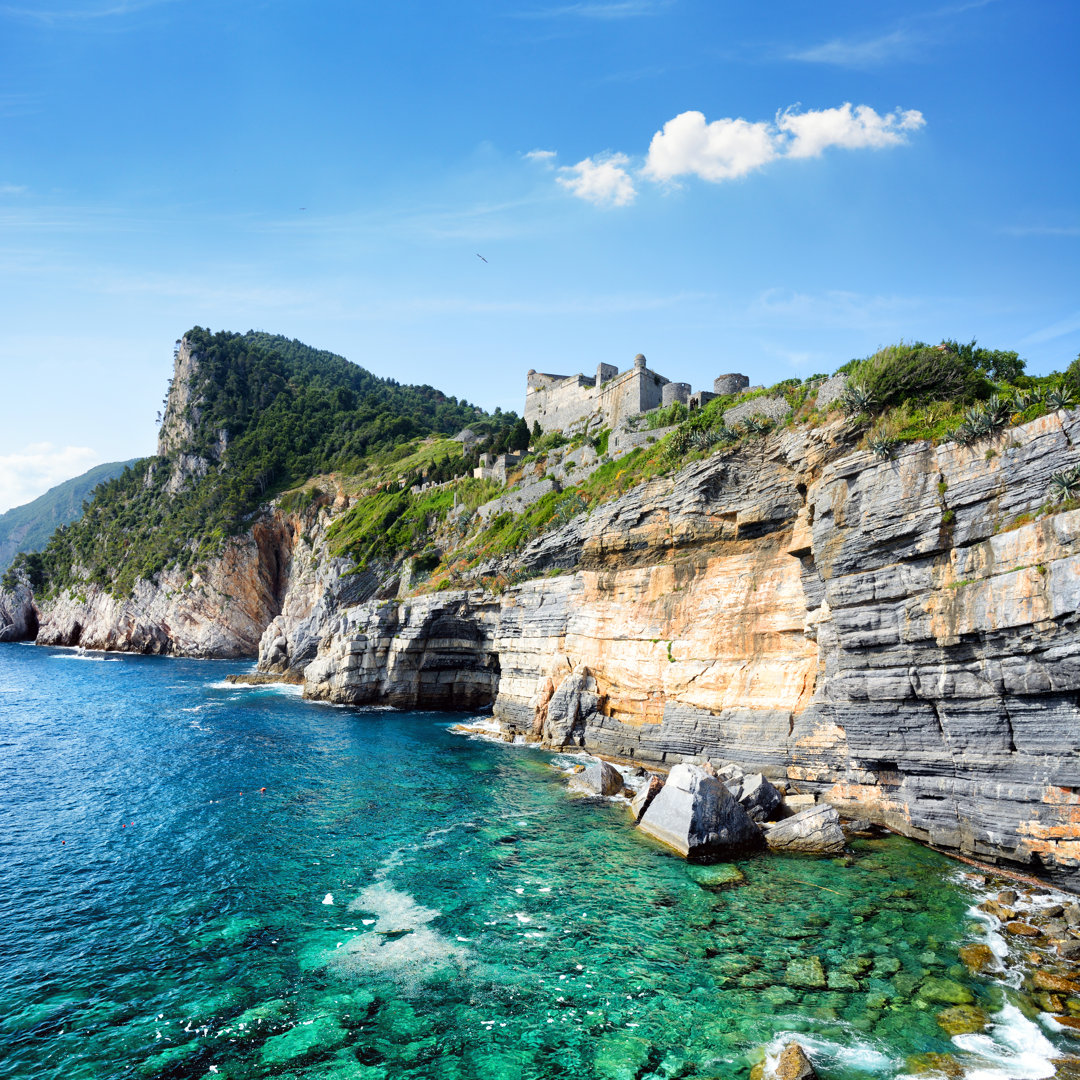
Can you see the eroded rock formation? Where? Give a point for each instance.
(899, 636)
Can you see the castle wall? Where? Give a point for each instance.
(556, 406)
(558, 403)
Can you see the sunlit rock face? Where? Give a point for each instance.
(896, 635)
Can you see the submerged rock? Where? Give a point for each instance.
(696, 815)
(716, 877)
(962, 1020)
(945, 992)
(816, 830)
(308, 1037)
(805, 973)
(977, 957)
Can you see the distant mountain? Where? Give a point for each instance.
(28, 527)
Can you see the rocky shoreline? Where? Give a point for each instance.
(1023, 936)
(899, 637)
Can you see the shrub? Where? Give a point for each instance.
(916, 374)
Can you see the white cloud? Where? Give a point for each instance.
(30, 472)
(601, 180)
(728, 148)
(855, 128)
(542, 157)
(722, 150)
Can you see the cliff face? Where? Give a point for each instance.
(18, 616)
(895, 635)
(220, 614)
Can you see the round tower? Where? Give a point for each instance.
(639, 362)
(674, 391)
(730, 384)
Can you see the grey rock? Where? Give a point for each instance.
(697, 816)
(816, 830)
(648, 791)
(602, 778)
(757, 797)
(18, 616)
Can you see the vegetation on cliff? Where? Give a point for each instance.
(283, 412)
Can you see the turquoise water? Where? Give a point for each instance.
(401, 901)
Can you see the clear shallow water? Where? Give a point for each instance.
(405, 902)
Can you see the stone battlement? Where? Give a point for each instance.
(578, 402)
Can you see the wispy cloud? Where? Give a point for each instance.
(1069, 325)
(27, 473)
(84, 12)
(729, 148)
(614, 9)
(907, 39)
(860, 52)
(1041, 230)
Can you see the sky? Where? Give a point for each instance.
(769, 188)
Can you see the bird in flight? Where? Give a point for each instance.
(479, 256)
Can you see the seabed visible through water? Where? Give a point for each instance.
(403, 902)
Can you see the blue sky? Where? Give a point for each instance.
(771, 189)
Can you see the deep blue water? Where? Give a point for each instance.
(403, 902)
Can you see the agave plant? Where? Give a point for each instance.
(704, 440)
(757, 425)
(1021, 399)
(882, 445)
(725, 434)
(996, 412)
(1058, 397)
(856, 399)
(1066, 483)
(569, 508)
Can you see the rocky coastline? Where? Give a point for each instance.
(898, 637)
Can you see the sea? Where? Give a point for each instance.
(200, 879)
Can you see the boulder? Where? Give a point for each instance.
(601, 778)
(797, 802)
(815, 830)
(792, 1064)
(696, 815)
(648, 791)
(757, 797)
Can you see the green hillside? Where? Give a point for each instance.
(289, 412)
(28, 527)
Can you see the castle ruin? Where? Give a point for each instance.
(578, 402)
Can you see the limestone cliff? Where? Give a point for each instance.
(899, 635)
(220, 613)
(18, 616)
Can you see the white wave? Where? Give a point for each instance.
(856, 1054)
(92, 658)
(1013, 1049)
(402, 946)
(328, 899)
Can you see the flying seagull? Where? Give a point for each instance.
(479, 256)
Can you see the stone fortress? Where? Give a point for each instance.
(572, 403)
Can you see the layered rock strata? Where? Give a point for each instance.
(899, 636)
